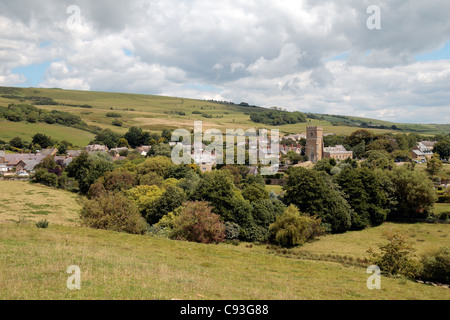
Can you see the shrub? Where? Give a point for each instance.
(42, 224)
(196, 223)
(113, 115)
(232, 230)
(113, 211)
(396, 256)
(292, 229)
(443, 216)
(436, 266)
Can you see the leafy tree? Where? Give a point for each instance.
(196, 223)
(123, 143)
(145, 198)
(396, 256)
(253, 192)
(368, 193)
(325, 165)
(436, 265)
(434, 165)
(170, 200)
(378, 159)
(314, 193)
(218, 188)
(87, 169)
(113, 211)
(167, 135)
(17, 142)
(161, 149)
(443, 148)
(108, 138)
(136, 137)
(293, 229)
(388, 145)
(160, 165)
(358, 137)
(43, 140)
(265, 211)
(250, 179)
(62, 149)
(413, 193)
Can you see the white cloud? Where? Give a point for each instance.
(265, 52)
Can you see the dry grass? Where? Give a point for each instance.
(25, 201)
(33, 262)
(120, 266)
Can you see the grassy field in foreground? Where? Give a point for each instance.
(33, 262)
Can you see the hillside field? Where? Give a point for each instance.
(33, 262)
(155, 113)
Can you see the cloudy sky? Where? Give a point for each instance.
(306, 55)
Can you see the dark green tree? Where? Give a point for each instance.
(314, 193)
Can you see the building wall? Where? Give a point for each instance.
(314, 143)
(338, 156)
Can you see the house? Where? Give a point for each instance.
(74, 153)
(26, 165)
(296, 137)
(119, 150)
(338, 153)
(48, 152)
(63, 161)
(2, 157)
(96, 148)
(143, 150)
(423, 151)
(12, 160)
(3, 168)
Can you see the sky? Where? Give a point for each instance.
(301, 55)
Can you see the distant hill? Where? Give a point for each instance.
(155, 113)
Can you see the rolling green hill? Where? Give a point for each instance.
(155, 113)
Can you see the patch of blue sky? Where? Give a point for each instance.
(128, 52)
(33, 73)
(343, 56)
(45, 44)
(442, 53)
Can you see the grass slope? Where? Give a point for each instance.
(33, 263)
(35, 202)
(156, 113)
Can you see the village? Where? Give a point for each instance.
(22, 165)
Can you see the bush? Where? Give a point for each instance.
(196, 223)
(113, 211)
(443, 216)
(113, 115)
(232, 231)
(42, 224)
(292, 229)
(396, 256)
(436, 266)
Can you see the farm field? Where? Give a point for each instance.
(33, 262)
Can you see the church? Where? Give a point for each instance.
(316, 151)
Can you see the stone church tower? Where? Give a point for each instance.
(314, 143)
